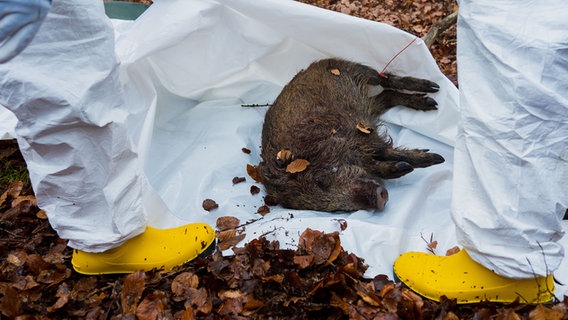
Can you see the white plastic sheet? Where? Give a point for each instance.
(211, 59)
(188, 66)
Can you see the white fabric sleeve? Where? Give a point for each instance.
(511, 153)
(19, 22)
(73, 129)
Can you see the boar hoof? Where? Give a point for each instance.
(437, 159)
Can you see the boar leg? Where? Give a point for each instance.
(418, 158)
(390, 98)
(396, 162)
(390, 169)
(407, 83)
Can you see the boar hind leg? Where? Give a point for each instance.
(408, 83)
(390, 98)
(397, 162)
(390, 169)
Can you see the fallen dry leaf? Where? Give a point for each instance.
(187, 314)
(63, 294)
(543, 313)
(335, 72)
(227, 222)
(245, 150)
(152, 307)
(132, 289)
(183, 284)
(432, 245)
(231, 242)
(364, 128)
(15, 189)
(263, 210)
(284, 156)
(413, 297)
(16, 258)
(323, 246)
(25, 283)
(297, 165)
(254, 173)
(254, 190)
(226, 235)
(452, 251)
(342, 224)
(335, 252)
(20, 199)
(41, 214)
(12, 192)
(239, 180)
(452, 316)
(304, 261)
(209, 204)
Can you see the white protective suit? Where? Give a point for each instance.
(101, 132)
(511, 154)
(19, 22)
(65, 90)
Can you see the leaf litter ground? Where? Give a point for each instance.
(318, 280)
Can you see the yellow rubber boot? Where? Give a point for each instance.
(155, 248)
(460, 277)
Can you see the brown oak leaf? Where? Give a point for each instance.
(209, 204)
(452, 251)
(263, 210)
(132, 288)
(367, 129)
(297, 165)
(227, 222)
(254, 173)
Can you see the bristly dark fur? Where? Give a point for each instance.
(326, 116)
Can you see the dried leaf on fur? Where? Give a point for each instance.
(364, 128)
(297, 165)
(284, 155)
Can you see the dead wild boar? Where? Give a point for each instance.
(321, 149)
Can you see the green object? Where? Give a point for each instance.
(124, 10)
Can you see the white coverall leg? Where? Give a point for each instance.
(511, 157)
(72, 128)
(74, 133)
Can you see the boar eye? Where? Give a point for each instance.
(323, 183)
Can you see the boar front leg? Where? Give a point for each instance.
(417, 158)
(391, 81)
(390, 98)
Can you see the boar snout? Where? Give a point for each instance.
(382, 197)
